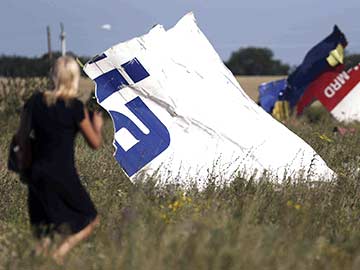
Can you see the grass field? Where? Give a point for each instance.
(249, 225)
(250, 84)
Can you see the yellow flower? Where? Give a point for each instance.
(289, 203)
(297, 206)
(165, 218)
(324, 137)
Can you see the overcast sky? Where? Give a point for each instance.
(288, 27)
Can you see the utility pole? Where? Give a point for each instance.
(63, 40)
(49, 42)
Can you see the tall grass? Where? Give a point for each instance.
(14, 91)
(248, 225)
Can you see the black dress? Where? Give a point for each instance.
(57, 200)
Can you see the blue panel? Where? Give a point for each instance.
(108, 83)
(271, 92)
(135, 70)
(149, 146)
(97, 58)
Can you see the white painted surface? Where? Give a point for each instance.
(215, 128)
(348, 109)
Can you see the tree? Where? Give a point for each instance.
(20, 66)
(256, 61)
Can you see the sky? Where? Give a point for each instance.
(290, 28)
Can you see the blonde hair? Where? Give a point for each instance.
(66, 76)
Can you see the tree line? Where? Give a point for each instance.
(20, 66)
(245, 61)
(260, 61)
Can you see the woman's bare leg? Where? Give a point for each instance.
(73, 240)
(42, 248)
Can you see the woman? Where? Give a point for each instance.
(57, 200)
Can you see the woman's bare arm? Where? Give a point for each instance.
(92, 130)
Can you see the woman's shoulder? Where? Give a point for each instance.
(75, 104)
(35, 98)
(71, 106)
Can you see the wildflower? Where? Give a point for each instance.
(165, 218)
(176, 204)
(289, 203)
(185, 199)
(297, 206)
(324, 137)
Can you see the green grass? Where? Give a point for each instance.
(248, 225)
